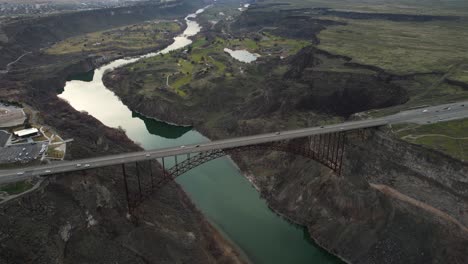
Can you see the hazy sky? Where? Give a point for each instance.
(55, 1)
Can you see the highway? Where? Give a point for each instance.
(426, 115)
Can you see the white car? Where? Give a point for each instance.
(78, 165)
(20, 173)
(425, 111)
(182, 146)
(48, 171)
(148, 155)
(87, 165)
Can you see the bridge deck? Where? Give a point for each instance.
(431, 114)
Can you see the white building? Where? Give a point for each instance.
(27, 132)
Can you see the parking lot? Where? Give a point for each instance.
(11, 116)
(22, 153)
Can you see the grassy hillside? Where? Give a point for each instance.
(400, 47)
(33, 33)
(428, 7)
(449, 137)
(133, 37)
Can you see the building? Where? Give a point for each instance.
(30, 132)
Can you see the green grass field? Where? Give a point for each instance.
(448, 137)
(16, 188)
(133, 37)
(221, 11)
(269, 44)
(426, 7)
(204, 59)
(460, 73)
(400, 47)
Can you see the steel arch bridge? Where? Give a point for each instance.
(326, 149)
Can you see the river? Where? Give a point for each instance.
(218, 188)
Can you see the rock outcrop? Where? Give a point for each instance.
(419, 216)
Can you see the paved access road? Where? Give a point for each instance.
(433, 114)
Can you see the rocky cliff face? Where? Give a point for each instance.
(394, 203)
(340, 92)
(81, 218)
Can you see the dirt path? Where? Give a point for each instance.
(438, 82)
(14, 196)
(402, 197)
(9, 65)
(432, 135)
(409, 127)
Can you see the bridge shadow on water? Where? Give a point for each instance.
(83, 76)
(162, 129)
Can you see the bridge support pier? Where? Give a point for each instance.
(124, 173)
(151, 173)
(138, 178)
(343, 143)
